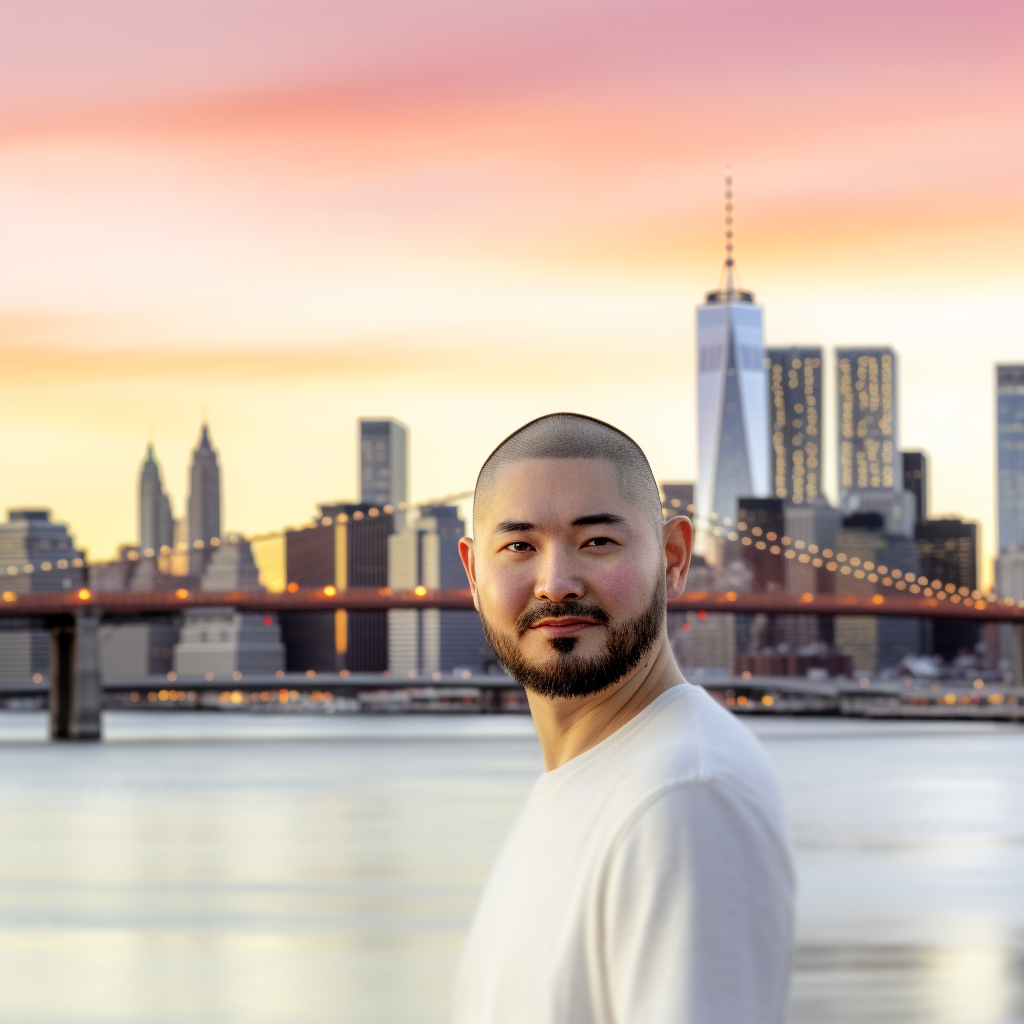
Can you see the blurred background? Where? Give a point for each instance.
(274, 280)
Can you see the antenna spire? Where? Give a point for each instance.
(730, 288)
(730, 263)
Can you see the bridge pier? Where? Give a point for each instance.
(1014, 633)
(76, 691)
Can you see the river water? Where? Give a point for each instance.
(204, 868)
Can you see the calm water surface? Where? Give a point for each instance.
(217, 868)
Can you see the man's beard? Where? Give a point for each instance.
(569, 675)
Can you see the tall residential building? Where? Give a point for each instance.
(1010, 454)
(383, 475)
(421, 641)
(870, 466)
(795, 410)
(915, 481)
(732, 394)
(156, 524)
(203, 501)
(35, 555)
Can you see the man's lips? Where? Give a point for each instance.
(564, 625)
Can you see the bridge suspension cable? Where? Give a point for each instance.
(847, 565)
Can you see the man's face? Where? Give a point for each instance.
(568, 574)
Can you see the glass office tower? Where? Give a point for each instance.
(732, 403)
(1010, 454)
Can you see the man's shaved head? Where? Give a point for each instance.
(570, 435)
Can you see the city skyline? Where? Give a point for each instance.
(150, 469)
(466, 229)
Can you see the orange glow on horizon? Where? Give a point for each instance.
(467, 216)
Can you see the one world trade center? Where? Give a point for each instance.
(732, 395)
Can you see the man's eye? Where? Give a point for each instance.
(517, 546)
(598, 542)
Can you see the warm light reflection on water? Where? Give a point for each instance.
(301, 869)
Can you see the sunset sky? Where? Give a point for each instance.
(297, 212)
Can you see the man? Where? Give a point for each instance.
(648, 879)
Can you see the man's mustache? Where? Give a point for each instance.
(562, 610)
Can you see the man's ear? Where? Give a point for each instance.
(677, 538)
(468, 556)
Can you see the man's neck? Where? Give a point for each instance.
(568, 727)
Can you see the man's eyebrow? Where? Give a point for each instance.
(600, 519)
(512, 526)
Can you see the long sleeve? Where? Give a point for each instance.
(696, 912)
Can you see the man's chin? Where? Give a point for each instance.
(551, 652)
(559, 674)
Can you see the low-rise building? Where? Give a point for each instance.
(224, 641)
(874, 642)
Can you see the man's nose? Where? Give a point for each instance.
(557, 580)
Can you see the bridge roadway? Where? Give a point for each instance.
(61, 606)
(76, 693)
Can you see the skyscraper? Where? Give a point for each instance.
(915, 481)
(732, 394)
(156, 524)
(426, 552)
(347, 546)
(203, 501)
(870, 465)
(382, 466)
(948, 549)
(1010, 454)
(794, 382)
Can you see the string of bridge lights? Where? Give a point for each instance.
(753, 536)
(848, 565)
(51, 566)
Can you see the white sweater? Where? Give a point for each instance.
(647, 881)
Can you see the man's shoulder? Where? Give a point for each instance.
(689, 739)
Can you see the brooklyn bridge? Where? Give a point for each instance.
(77, 692)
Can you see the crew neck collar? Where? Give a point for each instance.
(581, 761)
